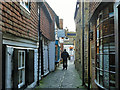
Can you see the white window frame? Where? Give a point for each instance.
(21, 68)
(22, 3)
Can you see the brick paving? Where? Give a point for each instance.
(62, 78)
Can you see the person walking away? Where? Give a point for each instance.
(64, 56)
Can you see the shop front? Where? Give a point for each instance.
(106, 22)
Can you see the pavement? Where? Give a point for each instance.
(62, 78)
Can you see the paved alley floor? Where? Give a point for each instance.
(62, 78)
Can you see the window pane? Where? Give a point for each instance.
(105, 13)
(98, 61)
(106, 62)
(101, 79)
(106, 79)
(20, 76)
(23, 58)
(111, 24)
(112, 80)
(101, 63)
(112, 49)
(106, 28)
(97, 75)
(23, 75)
(26, 4)
(19, 59)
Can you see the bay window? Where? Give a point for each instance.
(105, 48)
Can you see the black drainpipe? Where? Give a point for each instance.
(83, 42)
(39, 48)
(89, 56)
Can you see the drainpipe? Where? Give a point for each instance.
(89, 52)
(89, 56)
(83, 42)
(39, 48)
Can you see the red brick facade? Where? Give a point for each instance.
(47, 23)
(17, 21)
(93, 6)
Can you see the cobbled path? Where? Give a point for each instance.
(62, 78)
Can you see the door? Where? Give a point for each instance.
(45, 59)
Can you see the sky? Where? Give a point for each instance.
(65, 9)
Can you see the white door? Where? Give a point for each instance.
(52, 56)
(46, 60)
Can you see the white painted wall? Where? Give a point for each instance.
(8, 69)
(51, 56)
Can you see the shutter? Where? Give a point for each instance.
(30, 67)
(15, 69)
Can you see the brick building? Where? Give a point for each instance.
(101, 44)
(82, 40)
(48, 18)
(20, 37)
(26, 48)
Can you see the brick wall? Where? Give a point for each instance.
(93, 57)
(47, 26)
(93, 6)
(17, 21)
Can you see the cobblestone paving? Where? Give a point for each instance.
(62, 78)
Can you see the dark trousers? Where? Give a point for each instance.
(64, 64)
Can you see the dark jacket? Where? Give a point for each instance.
(64, 55)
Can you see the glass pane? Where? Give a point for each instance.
(111, 8)
(106, 49)
(106, 79)
(112, 80)
(23, 75)
(19, 59)
(98, 61)
(23, 58)
(112, 48)
(111, 26)
(106, 62)
(101, 31)
(97, 75)
(101, 63)
(26, 4)
(112, 59)
(20, 76)
(101, 79)
(106, 28)
(105, 13)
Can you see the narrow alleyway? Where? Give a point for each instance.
(62, 78)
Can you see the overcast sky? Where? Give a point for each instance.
(65, 9)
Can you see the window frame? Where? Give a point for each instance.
(22, 68)
(22, 3)
(101, 44)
